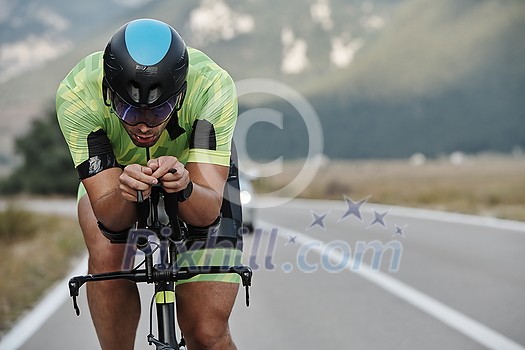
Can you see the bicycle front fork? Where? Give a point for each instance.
(165, 305)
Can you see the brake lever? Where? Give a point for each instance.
(74, 288)
(246, 274)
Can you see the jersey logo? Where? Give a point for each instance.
(146, 70)
(95, 165)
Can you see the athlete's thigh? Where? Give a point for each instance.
(205, 304)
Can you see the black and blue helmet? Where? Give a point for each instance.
(145, 64)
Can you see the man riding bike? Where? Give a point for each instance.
(146, 95)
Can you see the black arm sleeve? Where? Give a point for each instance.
(101, 156)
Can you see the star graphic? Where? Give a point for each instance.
(379, 218)
(353, 208)
(399, 231)
(318, 220)
(291, 239)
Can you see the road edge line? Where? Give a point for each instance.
(417, 213)
(34, 319)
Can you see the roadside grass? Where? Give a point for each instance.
(36, 250)
(484, 185)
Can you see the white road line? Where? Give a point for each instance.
(29, 324)
(415, 213)
(453, 318)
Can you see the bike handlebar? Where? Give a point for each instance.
(142, 275)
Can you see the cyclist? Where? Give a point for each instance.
(148, 91)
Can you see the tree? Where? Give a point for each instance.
(46, 164)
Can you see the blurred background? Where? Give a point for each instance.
(425, 94)
(388, 79)
(420, 103)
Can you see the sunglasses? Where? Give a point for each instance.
(152, 117)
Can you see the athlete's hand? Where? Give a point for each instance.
(136, 177)
(171, 173)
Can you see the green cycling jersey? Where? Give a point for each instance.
(201, 131)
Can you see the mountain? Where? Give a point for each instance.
(446, 76)
(437, 77)
(385, 78)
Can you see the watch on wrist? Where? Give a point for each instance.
(185, 193)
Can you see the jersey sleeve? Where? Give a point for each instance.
(78, 106)
(215, 111)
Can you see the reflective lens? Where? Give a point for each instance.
(151, 117)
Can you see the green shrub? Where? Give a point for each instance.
(46, 166)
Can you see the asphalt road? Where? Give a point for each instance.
(392, 279)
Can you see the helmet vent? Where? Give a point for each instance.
(135, 92)
(154, 94)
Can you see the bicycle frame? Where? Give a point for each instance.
(164, 274)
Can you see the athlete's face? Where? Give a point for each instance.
(143, 135)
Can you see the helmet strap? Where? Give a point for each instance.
(182, 95)
(106, 94)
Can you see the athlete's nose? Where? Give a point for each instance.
(143, 128)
